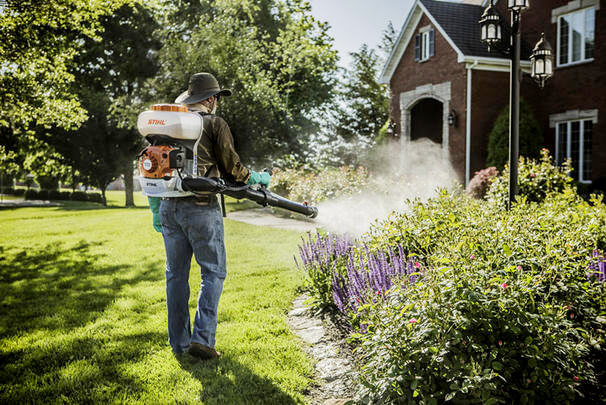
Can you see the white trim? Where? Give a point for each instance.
(573, 115)
(581, 152)
(495, 64)
(424, 46)
(573, 6)
(439, 28)
(440, 92)
(468, 126)
(406, 34)
(570, 50)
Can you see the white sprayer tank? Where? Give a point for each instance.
(175, 124)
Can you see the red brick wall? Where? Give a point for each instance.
(581, 87)
(489, 95)
(440, 68)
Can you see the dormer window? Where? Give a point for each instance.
(424, 44)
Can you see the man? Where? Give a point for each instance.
(194, 225)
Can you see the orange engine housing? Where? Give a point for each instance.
(154, 162)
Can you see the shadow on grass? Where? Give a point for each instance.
(58, 288)
(46, 296)
(227, 381)
(79, 370)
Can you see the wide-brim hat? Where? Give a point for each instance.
(201, 86)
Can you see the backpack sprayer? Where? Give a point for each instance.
(169, 165)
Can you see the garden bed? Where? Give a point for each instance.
(460, 300)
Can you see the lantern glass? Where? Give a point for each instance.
(492, 32)
(548, 66)
(517, 5)
(539, 66)
(483, 33)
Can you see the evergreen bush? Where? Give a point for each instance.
(531, 137)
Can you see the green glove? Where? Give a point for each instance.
(259, 178)
(154, 204)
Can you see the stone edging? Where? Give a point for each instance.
(334, 371)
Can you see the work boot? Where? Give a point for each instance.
(203, 352)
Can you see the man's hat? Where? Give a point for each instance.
(201, 86)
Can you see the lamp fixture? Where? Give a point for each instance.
(542, 61)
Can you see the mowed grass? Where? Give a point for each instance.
(84, 314)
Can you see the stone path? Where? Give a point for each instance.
(334, 372)
(27, 203)
(265, 217)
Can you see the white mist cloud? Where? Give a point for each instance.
(416, 172)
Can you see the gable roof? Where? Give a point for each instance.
(458, 24)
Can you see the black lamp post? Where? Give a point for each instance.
(542, 69)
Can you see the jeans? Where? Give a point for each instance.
(188, 228)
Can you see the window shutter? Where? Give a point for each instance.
(417, 47)
(431, 43)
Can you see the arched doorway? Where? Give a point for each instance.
(426, 120)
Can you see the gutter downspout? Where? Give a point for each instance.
(468, 126)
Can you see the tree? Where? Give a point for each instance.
(531, 137)
(281, 67)
(109, 73)
(363, 102)
(366, 105)
(40, 41)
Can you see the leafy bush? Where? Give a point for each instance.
(480, 183)
(536, 180)
(530, 138)
(509, 311)
(510, 306)
(316, 186)
(95, 197)
(62, 195)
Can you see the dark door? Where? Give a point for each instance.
(426, 120)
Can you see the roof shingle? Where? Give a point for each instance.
(460, 22)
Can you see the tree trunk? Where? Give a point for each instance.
(103, 195)
(128, 184)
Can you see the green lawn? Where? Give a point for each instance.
(117, 198)
(84, 315)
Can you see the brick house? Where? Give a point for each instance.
(439, 67)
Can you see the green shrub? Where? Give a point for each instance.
(317, 186)
(79, 196)
(48, 182)
(95, 197)
(536, 180)
(505, 312)
(530, 138)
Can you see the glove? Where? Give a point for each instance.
(259, 178)
(154, 205)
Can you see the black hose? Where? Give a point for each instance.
(261, 196)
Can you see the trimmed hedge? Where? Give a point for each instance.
(63, 195)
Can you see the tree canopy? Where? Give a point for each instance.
(281, 68)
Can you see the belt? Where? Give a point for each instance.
(204, 199)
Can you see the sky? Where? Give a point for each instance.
(354, 22)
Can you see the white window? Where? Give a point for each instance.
(424, 45)
(573, 141)
(576, 36)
